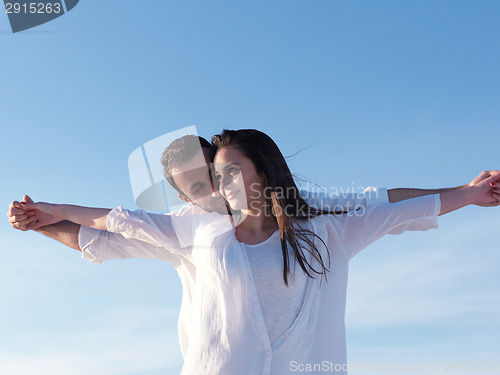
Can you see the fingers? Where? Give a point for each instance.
(16, 204)
(27, 199)
(489, 173)
(29, 205)
(19, 217)
(484, 175)
(15, 211)
(34, 225)
(19, 226)
(496, 195)
(18, 214)
(15, 208)
(26, 224)
(495, 186)
(496, 176)
(494, 179)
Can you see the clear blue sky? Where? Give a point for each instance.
(383, 93)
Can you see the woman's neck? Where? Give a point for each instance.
(255, 228)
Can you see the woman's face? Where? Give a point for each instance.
(239, 182)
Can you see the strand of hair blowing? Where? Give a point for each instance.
(288, 209)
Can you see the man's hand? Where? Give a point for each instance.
(28, 215)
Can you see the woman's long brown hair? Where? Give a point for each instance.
(286, 203)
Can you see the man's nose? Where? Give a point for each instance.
(215, 184)
(215, 187)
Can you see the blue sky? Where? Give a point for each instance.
(382, 93)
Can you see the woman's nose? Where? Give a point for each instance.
(224, 181)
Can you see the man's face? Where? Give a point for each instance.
(194, 179)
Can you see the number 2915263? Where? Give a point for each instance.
(33, 8)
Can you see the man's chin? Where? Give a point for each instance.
(221, 210)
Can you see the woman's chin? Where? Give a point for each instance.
(236, 207)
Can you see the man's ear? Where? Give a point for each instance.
(184, 198)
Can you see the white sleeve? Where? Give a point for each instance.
(373, 195)
(345, 201)
(100, 245)
(358, 229)
(173, 233)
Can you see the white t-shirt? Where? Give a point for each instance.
(222, 328)
(280, 303)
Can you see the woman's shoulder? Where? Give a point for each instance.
(318, 224)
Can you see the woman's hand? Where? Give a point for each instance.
(48, 213)
(28, 215)
(481, 192)
(487, 190)
(41, 214)
(484, 176)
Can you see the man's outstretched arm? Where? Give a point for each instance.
(65, 232)
(400, 194)
(95, 245)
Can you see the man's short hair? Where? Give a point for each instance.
(180, 151)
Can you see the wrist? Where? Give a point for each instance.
(455, 199)
(59, 211)
(468, 194)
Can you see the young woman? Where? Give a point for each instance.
(264, 289)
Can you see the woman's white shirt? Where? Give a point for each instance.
(224, 318)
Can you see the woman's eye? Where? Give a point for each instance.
(218, 177)
(233, 170)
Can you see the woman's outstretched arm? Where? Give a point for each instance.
(65, 231)
(482, 193)
(399, 194)
(43, 214)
